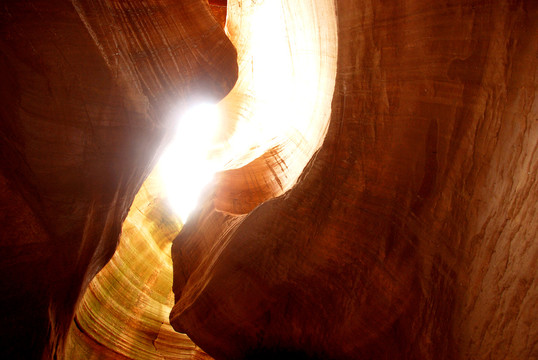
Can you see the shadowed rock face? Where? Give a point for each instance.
(86, 86)
(410, 234)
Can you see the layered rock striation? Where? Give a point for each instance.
(85, 92)
(411, 234)
(394, 219)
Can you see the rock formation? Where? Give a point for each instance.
(86, 87)
(412, 232)
(398, 222)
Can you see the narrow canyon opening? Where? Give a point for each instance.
(374, 190)
(244, 150)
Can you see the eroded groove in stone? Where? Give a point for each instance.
(124, 312)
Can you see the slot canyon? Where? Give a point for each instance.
(375, 195)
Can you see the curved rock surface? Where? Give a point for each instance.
(86, 86)
(412, 233)
(124, 312)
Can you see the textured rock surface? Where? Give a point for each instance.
(86, 86)
(124, 312)
(279, 109)
(412, 233)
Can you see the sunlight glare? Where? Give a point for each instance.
(281, 100)
(186, 166)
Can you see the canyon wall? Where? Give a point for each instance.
(85, 94)
(412, 232)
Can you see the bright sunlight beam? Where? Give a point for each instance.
(186, 166)
(281, 100)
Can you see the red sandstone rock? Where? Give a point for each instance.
(412, 233)
(86, 86)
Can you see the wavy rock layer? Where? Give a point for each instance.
(124, 312)
(412, 232)
(86, 86)
(277, 114)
